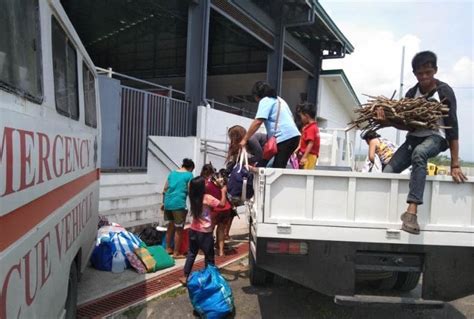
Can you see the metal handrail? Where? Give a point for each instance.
(109, 72)
(214, 102)
(159, 148)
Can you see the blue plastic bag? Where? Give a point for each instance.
(210, 293)
(102, 255)
(108, 244)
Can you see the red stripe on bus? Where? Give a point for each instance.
(20, 221)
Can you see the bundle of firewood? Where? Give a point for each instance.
(412, 113)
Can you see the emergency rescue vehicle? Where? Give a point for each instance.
(49, 160)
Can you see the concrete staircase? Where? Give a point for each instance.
(129, 199)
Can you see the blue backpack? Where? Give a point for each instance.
(236, 181)
(210, 293)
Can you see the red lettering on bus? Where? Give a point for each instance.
(43, 157)
(77, 155)
(7, 147)
(59, 238)
(67, 223)
(3, 296)
(61, 160)
(29, 299)
(25, 160)
(67, 141)
(45, 261)
(83, 162)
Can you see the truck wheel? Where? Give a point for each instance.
(385, 283)
(407, 280)
(257, 275)
(71, 300)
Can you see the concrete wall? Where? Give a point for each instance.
(331, 108)
(110, 102)
(170, 151)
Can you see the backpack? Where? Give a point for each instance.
(240, 178)
(150, 236)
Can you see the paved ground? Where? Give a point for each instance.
(95, 283)
(284, 299)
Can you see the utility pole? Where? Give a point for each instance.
(400, 91)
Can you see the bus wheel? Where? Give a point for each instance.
(71, 300)
(257, 275)
(407, 280)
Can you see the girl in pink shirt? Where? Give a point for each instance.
(200, 234)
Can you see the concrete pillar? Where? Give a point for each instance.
(313, 83)
(196, 58)
(275, 60)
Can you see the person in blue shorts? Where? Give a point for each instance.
(175, 193)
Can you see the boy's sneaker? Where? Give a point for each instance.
(410, 223)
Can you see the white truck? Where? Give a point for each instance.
(327, 230)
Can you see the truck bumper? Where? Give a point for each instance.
(330, 267)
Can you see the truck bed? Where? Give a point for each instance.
(359, 207)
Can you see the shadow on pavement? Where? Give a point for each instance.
(285, 299)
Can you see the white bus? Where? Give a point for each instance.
(49, 160)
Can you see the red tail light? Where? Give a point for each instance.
(287, 247)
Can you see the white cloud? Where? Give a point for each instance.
(374, 69)
(461, 74)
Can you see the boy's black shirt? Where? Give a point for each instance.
(446, 93)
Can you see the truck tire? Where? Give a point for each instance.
(257, 275)
(385, 283)
(407, 281)
(71, 300)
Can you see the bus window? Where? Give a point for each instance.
(20, 49)
(65, 73)
(89, 96)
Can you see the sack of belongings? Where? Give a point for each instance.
(210, 293)
(113, 240)
(151, 236)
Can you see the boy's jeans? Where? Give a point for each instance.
(415, 152)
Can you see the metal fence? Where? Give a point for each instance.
(143, 114)
(146, 108)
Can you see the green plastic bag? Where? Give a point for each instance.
(162, 258)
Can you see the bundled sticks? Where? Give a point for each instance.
(412, 113)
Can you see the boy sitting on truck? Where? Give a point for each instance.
(422, 144)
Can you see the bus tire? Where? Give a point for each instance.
(257, 275)
(407, 280)
(71, 300)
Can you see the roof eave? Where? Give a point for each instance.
(324, 17)
(342, 74)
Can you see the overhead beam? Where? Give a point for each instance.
(249, 17)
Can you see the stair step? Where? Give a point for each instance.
(123, 178)
(139, 222)
(129, 196)
(118, 211)
(135, 216)
(129, 202)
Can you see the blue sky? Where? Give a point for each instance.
(379, 29)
